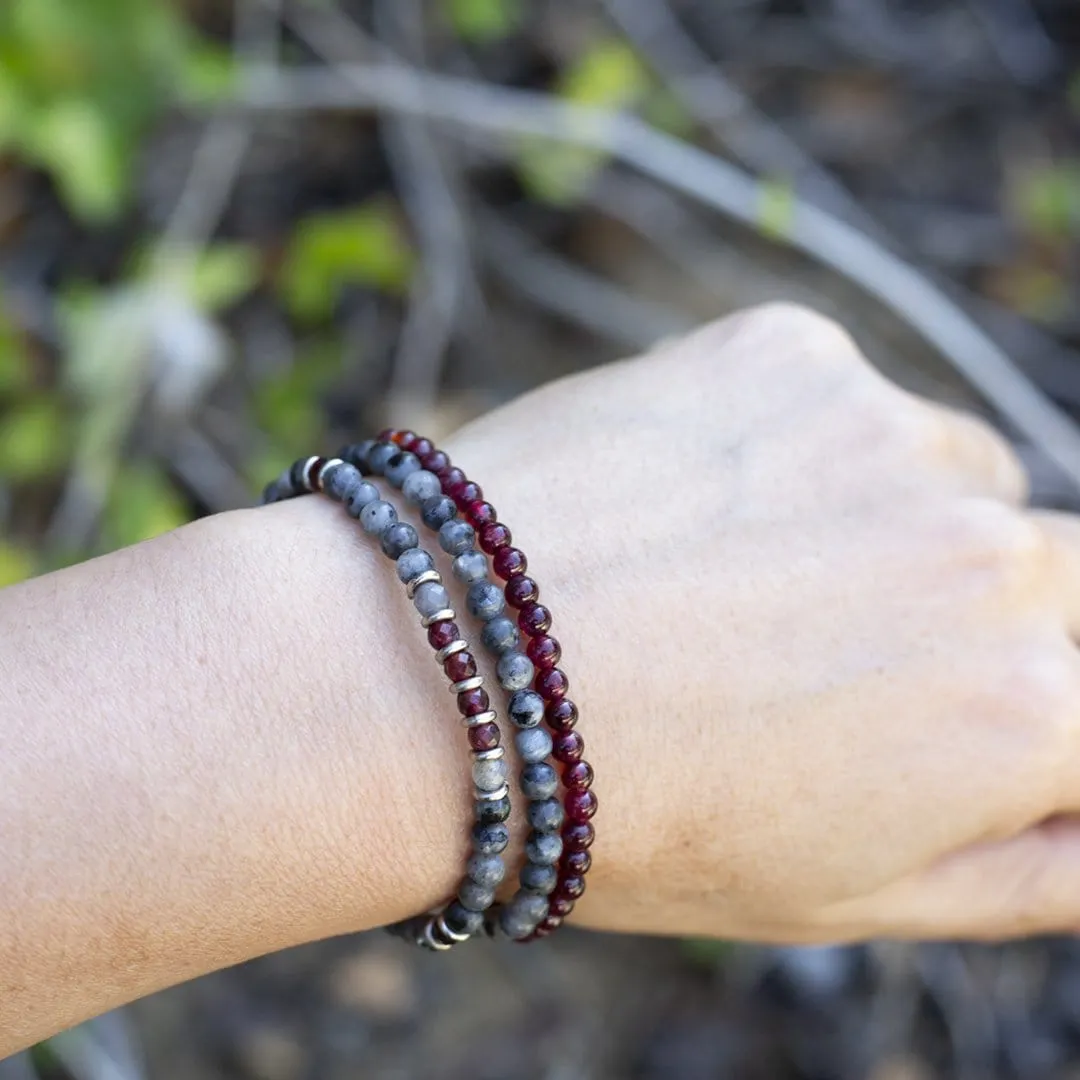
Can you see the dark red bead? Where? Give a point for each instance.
(578, 776)
(534, 619)
(572, 886)
(552, 922)
(313, 470)
(421, 447)
(537, 935)
(460, 666)
(465, 493)
(388, 434)
(577, 862)
(441, 634)
(568, 747)
(521, 590)
(471, 702)
(544, 651)
(578, 835)
(480, 514)
(492, 536)
(561, 715)
(484, 736)
(560, 906)
(449, 477)
(406, 439)
(435, 461)
(580, 805)
(551, 684)
(509, 562)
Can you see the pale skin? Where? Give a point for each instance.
(824, 656)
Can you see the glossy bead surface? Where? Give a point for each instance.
(485, 600)
(470, 567)
(500, 634)
(377, 517)
(534, 619)
(580, 805)
(551, 923)
(538, 879)
(460, 666)
(457, 537)
(508, 562)
(544, 651)
(484, 736)
(578, 776)
(578, 835)
(419, 446)
(421, 486)
(514, 671)
(464, 493)
(463, 921)
(561, 715)
(450, 477)
(568, 747)
(493, 536)
(481, 513)
(435, 461)
(577, 862)
(379, 455)
(397, 539)
(552, 684)
(521, 591)
(360, 497)
(492, 811)
(572, 886)
(400, 466)
(471, 702)
(560, 906)
(526, 708)
(437, 511)
(443, 633)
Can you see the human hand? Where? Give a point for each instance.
(822, 652)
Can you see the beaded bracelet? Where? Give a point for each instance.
(514, 670)
(344, 483)
(551, 684)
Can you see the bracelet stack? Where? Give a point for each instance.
(526, 656)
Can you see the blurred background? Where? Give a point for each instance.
(235, 233)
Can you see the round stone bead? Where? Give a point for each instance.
(526, 709)
(578, 835)
(578, 776)
(484, 736)
(546, 815)
(464, 493)
(533, 744)
(492, 811)
(577, 862)
(538, 879)
(398, 539)
(463, 921)
(580, 805)
(473, 702)
(437, 511)
(539, 781)
(561, 715)
(534, 619)
(420, 486)
(356, 454)
(485, 600)
(450, 477)
(420, 446)
(481, 513)
(486, 870)
(491, 775)
(543, 848)
(521, 590)
(470, 567)
(296, 475)
(460, 666)
(456, 537)
(361, 497)
(494, 535)
(508, 562)
(401, 466)
(378, 457)
(521, 916)
(411, 564)
(377, 517)
(474, 896)
(340, 481)
(552, 922)
(430, 598)
(514, 670)
(492, 839)
(568, 747)
(572, 886)
(435, 460)
(544, 651)
(552, 684)
(560, 906)
(443, 633)
(500, 634)
(276, 490)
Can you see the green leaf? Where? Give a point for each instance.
(209, 75)
(484, 21)
(775, 208)
(364, 245)
(707, 952)
(1047, 200)
(142, 504)
(15, 373)
(289, 406)
(223, 274)
(609, 75)
(16, 564)
(34, 439)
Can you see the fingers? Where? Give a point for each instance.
(1063, 535)
(985, 463)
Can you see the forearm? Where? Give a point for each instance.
(216, 744)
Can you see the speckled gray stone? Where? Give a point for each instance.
(545, 816)
(430, 598)
(356, 454)
(420, 486)
(456, 537)
(533, 744)
(526, 709)
(514, 670)
(491, 839)
(437, 510)
(470, 567)
(413, 563)
(544, 848)
(500, 634)
(463, 921)
(489, 775)
(491, 811)
(538, 879)
(339, 482)
(400, 466)
(523, 914)
(379, 455)
(398, 539)
(377, 517)
(278, 489)
(486, 870)
(539, 781)
(364, 494)
(485, 600)
(475, 897)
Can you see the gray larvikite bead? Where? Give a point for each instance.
(491, 839)
(430, 598)
(400, 466)
(523, 914)
(377, 517)
(489, 775)
(474, 896)
(463, 921)
(411, 564)
(340, 482)
(470, 567)
(364, 494)
(437, 510)
(398, 539)
(485, 600)
(526, 709)
(487, 870)
(514, 670)
(500, 634)
(356, 454)
(537, 878)
(456, 537)
(533, 744)
(544, 848)
(379, 455)
(539, 781)
(421, 486)
(546, 816)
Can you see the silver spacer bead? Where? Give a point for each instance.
(330, 462)
(445, 930)
(425, 578)
(440, 616)
(488, 716)
(493, 796)
(489, 755)
(452, 649)
(467, 684)
(428, 939)
(309, 480)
